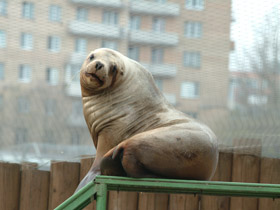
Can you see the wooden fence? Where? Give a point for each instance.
(26, 188)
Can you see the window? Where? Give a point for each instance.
(133, 53)
(74, 72)
(135, 22)
(159, 84)
(3, 7)
(54, 43)
(195, 4)
(82, 14)
(52, 76)
(2, 39)
(192, 59)
(157, 55)
(110, 18)
(193, 29)
(110, 44)
(24, 73)
(26, 41)
(28, 10)
(158, 25)
(21, 135)
(23, 104)
(50, 106)
(190, 90)
(252, 83)
(81, 45)
(2, 71)
(55, 13)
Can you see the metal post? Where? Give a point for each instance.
(101, 201)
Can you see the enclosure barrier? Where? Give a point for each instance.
(24, 187)
(102, 184)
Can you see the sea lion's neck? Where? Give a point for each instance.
(126, 110)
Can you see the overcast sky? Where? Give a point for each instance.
(247, 14)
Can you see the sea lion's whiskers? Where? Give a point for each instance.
(74, 75)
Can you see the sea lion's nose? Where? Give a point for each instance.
(98, 65)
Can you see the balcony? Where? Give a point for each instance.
(171, 98)
(100, 3)
(155, 8)
(161, 70)
(153, 38)
(94, 29)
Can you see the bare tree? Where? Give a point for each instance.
(264, 59)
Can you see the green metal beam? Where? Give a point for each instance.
(190, 187)
(80, 199)
(99, 187)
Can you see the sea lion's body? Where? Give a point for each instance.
(136, 131)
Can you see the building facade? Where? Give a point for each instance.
(184, 43)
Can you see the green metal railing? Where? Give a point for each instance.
(98, 188)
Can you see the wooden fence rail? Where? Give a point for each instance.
(24, 187)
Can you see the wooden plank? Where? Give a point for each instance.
(10, 186)
(161, 201)
(86, 163)
(146, 201)
(153, 201)
(28, 165)
(246, 168)
(64, 180)
(223, 173)
(34, 191)
(183, 202)
(122, 200)
(270, 174)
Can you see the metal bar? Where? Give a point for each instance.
(80, 199)
(191, 187)
(101, 201)
(102, 184)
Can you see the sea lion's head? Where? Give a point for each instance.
(102, 69)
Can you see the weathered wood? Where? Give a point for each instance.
(86, 163)
(64, 180)
(9, 186)
(153, 201)
(122, 200)
(270, 173)
(146, 201)
(183, 202)
(246, 168)
(34, 191)
(223, 173)
(28, 165)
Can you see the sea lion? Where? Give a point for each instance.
(136, 132)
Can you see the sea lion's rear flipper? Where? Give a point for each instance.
(111, 163)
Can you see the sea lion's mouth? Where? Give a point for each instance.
(95, 77)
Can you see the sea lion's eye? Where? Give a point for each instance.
(114, 69)
(91, 57)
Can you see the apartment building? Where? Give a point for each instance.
(184, 43)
